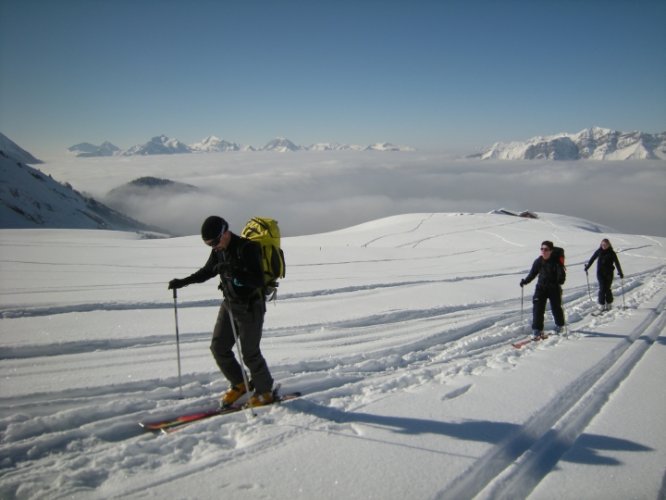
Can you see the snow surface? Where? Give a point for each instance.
(398, 332)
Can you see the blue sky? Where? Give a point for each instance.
(451, 75)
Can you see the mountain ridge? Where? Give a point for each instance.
(594, 143)
(163, 144)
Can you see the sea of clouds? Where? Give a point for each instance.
(311, 192)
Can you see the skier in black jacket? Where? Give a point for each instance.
(552, 275)
(237, 261)
(605, 266)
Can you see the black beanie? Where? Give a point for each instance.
(212, 227)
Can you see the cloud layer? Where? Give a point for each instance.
(317, 192)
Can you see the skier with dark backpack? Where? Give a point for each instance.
(551, 270)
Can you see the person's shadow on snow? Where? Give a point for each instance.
(586, 450)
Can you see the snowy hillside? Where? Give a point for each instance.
(13, 150)
(594, 143)
(29, 199)
(397, 331)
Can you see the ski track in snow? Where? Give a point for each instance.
(437, 343)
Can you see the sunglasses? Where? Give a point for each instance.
(216, 241)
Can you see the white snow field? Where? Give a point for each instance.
(397, 331)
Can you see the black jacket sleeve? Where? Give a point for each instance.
(536, 267)
(617, 264)
(593, 258)
(205, 273)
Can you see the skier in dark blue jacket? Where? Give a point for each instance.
(552, 275)
(606, 264)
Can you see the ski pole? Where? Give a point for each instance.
(175, 311)
(589, 293)
(624, 304)
(240, 351)
(522, 301)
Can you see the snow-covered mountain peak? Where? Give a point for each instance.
(213, 144)
(160, 144)
(595, 143)
(86, 149)
(281, 145)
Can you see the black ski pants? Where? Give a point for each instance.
(605, 293)
(249, 321)
(552, 293)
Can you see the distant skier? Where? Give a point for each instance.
(238, 263)
(605, 266)
(552, 273)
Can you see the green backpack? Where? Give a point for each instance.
(266, 232)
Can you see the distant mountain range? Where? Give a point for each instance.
(162, 145)
(590, 144)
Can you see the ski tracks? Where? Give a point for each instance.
(514, 467)
(435, 344)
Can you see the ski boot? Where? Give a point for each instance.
(261, 399)
(232, 395)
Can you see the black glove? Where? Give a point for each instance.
(176, 284)
(586, 267)
(523, 283)
(621, 276)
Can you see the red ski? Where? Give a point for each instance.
(171, 424)
(522, 343)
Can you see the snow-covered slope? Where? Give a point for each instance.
(13, 150)
(398, 331)
(29, 198)
(594, 143)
